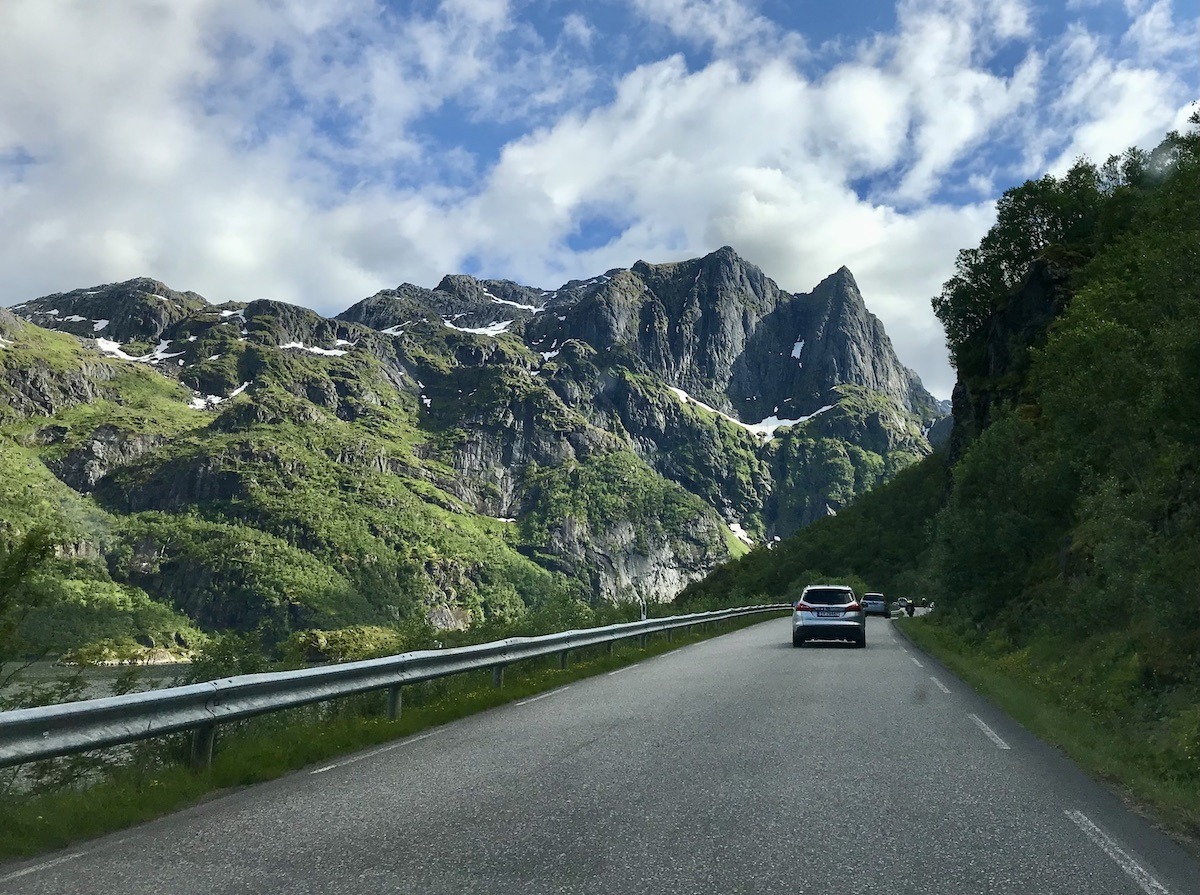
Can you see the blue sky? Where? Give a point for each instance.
(318, 151)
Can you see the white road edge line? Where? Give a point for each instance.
(988, 732)
(45, 865)
(917, 661)
(540, 696)
(1148, 883)
(618, 671)
(940, 685)
(374, 752)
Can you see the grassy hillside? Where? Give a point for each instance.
(323, 497)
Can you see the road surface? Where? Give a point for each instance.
(737, 765)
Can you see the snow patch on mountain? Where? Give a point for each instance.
(515, 304)
(113, 349)
(768, 426)
(740, 534)
(207, 402)
(313, 349)
(765, 429)
(493, 329)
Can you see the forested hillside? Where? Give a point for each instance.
(1060, 533)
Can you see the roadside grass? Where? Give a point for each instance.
(154, 779)
(1147, 748)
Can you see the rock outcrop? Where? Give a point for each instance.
(993, 364)
(107, 448)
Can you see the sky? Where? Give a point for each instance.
(316, 152)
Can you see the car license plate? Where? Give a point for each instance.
(828, 613)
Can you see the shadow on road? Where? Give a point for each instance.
(815, 644)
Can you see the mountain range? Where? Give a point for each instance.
(460, 452)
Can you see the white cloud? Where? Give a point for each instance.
(727, 26)
(1155, 35)
(940, 55)
(576, 28)
(1107, 102)
(864, 116)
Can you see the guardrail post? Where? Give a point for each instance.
(395, 702)
(642, 641)
(562, 659)
(203, 738)
(498, 676)
(612, 645)
(668, 632)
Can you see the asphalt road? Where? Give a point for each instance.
(738, 765)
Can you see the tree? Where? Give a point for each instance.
(1029, 219)
(16, 565)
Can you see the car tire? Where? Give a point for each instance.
(861, 642)
(797, 640)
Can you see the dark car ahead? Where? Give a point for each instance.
(828, 612)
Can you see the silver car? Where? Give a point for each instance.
(828, 612)
(875, 604)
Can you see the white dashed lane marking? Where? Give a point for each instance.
(374, 752)
(989, 733)
(45, 865)
(1139, 874)
(541, 696)
(940, 685)
(917, 661)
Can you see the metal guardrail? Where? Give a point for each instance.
(55, 730)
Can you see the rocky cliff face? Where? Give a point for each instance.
(715, 327)
(136, 310)
(623, 432)
(106, 448)
(622, 564)
(994, 363)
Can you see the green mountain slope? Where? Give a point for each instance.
(463, 455)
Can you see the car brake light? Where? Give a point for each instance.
(804, 607)
(853, 607)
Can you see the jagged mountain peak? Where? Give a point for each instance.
(140, 309)
(838, 296)
(724, 257)
(715, 326)
(840, 283)
(460, 284)
(728, 257)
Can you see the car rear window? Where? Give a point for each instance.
(873, 597)
(828, 596)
